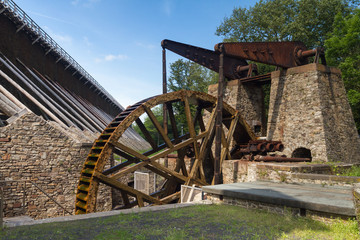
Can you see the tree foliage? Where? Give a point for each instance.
(343, 50)
(308, 21)
(190, 76)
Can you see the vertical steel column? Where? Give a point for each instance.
(218, 121)
(164, 105)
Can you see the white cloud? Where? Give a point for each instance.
(167, 7)
(144, 45)
(111, 57)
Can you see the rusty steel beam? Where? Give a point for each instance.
(281, 54)
(209, 59)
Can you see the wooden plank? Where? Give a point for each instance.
(129, 170)
(146, 133)
(225, 151)
(201, 123)
(118, 185)
(197, 116)
(140, 201)
(172, 172)
(129, 150)
(177, 147)
(158, 126)
(209, 129)
(191, 125)
(159, 172)
(172, 120)
(125, 198)
(171, 197)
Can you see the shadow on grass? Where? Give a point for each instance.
(196, 222)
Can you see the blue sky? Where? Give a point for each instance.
(118, 41)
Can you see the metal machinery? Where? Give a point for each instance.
(199, 137)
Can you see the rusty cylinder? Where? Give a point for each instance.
(279, 147)
(270, 147)
(261, 147)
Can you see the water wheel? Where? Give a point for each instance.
(195, 143)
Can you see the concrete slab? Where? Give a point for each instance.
(25, 220)
(17, 221)
(327, 199)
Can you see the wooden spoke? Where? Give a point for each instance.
(140, 201)
(171, 197)
(146, 133)
(172, 120)
(125, 198)
(193, 149)
(226, 142)
(129, 150)
(158, 126)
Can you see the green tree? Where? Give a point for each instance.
(190, 76)
(343, 50)
(308, 21)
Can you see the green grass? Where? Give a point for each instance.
(354, 171)
(196, 222)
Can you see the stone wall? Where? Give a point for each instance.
(309, 111)
(248, 99)
(245, 171)
(48, 155)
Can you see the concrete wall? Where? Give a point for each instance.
(51, 157)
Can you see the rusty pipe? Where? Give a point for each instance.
(270, 147)
(305, 53)
(261, 147)
(279, 159)
(241, 68)
(279, 147)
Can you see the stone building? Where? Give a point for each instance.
(51, 111)
(38, 155)
(308, 111)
